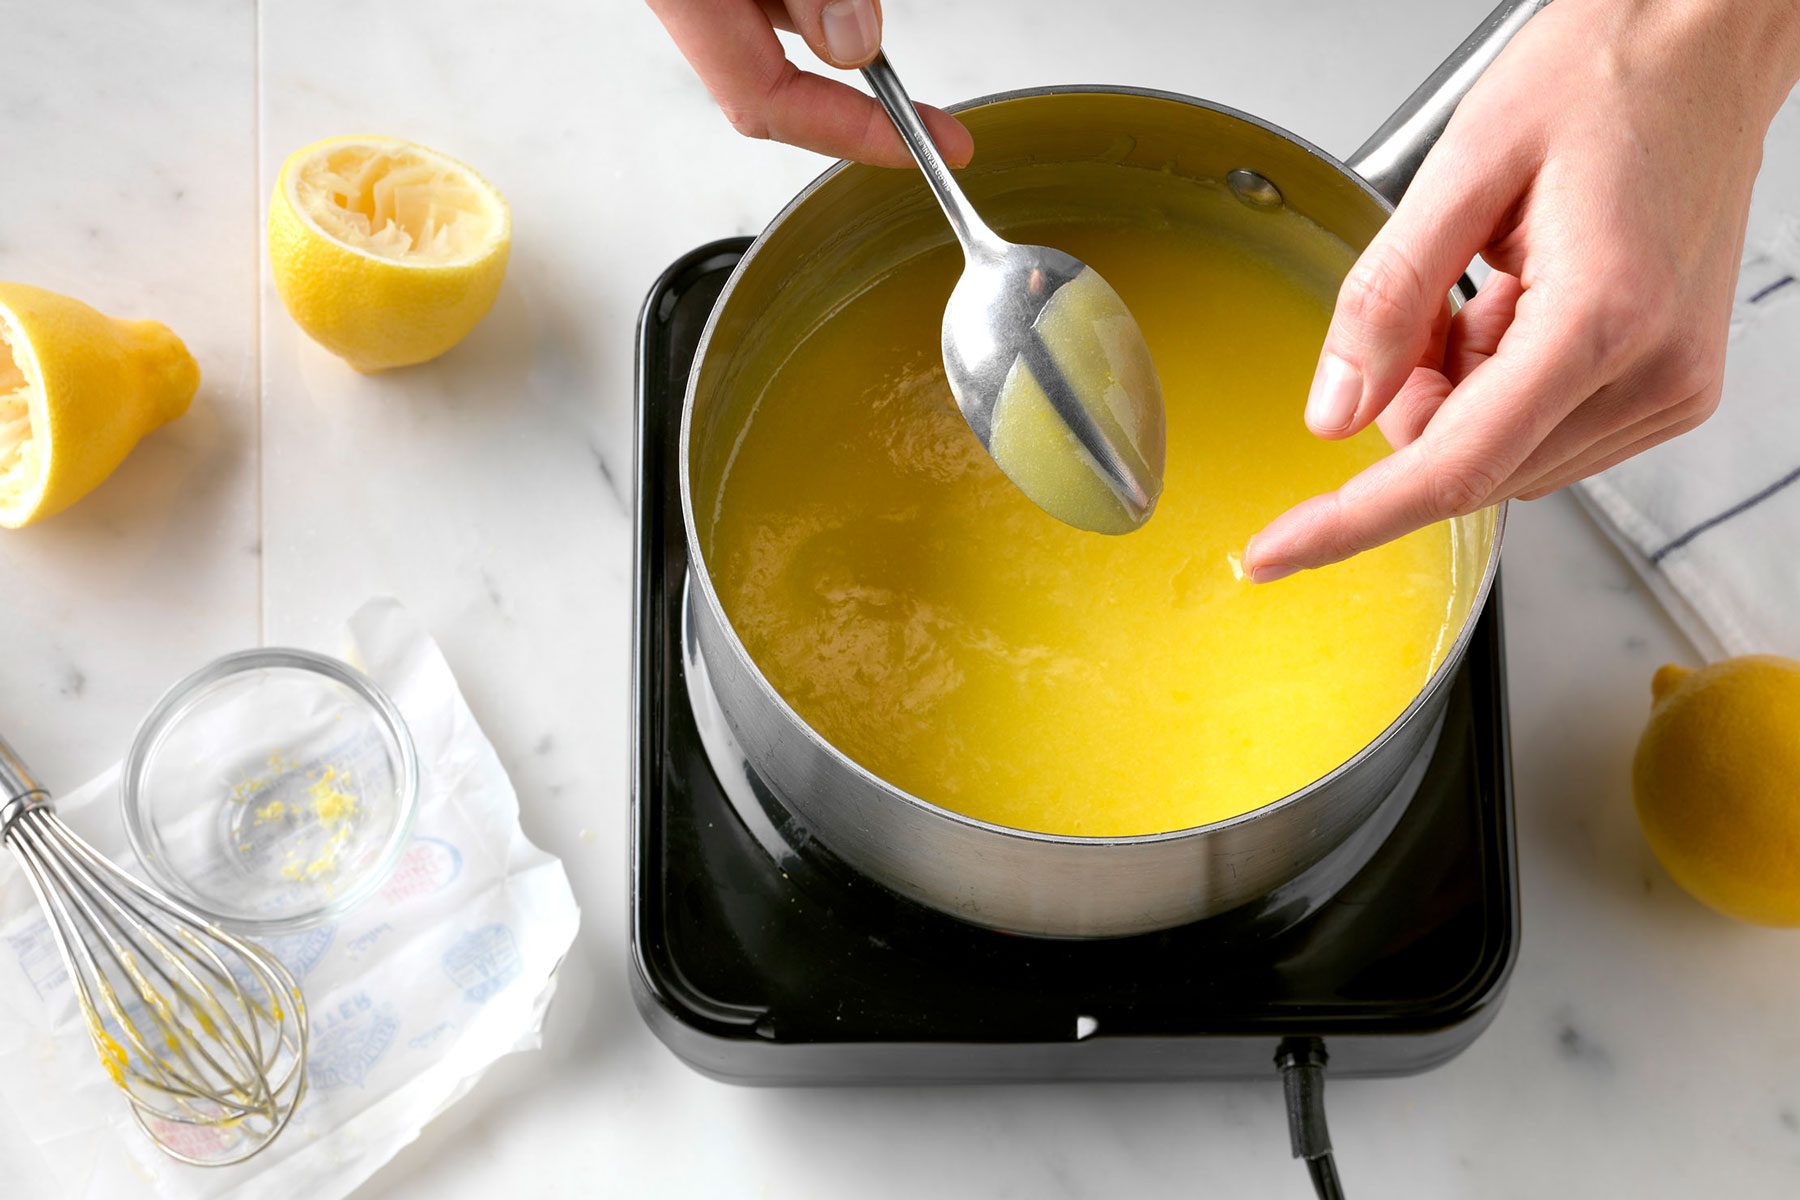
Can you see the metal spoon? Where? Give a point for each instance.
(1089, 360)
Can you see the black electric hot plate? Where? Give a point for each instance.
(791, 969)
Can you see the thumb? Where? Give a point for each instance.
(845, 33)
(1395, 294)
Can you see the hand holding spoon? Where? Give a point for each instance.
(1045, 361)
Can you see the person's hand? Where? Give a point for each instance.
(1602, 166)
(733, 47)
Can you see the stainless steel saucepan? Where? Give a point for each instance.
(1048, 153)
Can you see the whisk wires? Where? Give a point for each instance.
(205, 1033)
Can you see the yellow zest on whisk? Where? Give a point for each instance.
(112, 1055)
(227, 1056)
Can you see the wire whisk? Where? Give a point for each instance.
(204, 1032)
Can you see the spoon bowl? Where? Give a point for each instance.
(1045, 361)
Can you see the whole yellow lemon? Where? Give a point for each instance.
(1717, 784)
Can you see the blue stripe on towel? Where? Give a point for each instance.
(1744, 505)
(1764, 293)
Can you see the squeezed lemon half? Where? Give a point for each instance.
(78, 390)
(385, 252)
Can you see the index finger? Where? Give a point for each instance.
(733, 48)
(1486, 427)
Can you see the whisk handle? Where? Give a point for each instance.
(19, 789)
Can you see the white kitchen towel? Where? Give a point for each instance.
(1712, 519)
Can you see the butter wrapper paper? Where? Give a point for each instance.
(413, 994)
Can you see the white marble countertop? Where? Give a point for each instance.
(1646, 1048)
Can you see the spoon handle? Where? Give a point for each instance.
(970, 229)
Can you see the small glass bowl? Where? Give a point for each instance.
(271, 790)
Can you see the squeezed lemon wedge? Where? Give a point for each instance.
(385, 252)
(78, 390)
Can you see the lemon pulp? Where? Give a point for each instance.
(396, 200)
(20, 460)
(927, 619)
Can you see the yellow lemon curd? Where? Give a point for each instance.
(930, 621)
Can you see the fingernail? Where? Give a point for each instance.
(1336, 391)
(852, 34)
(1270, 572)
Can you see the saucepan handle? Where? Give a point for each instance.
(1391, 156)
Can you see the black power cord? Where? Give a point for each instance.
(1302, 1063)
